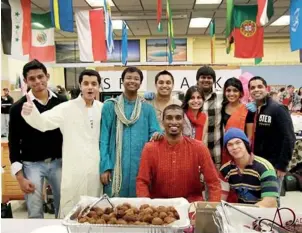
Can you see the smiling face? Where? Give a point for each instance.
(232, 94)
(257, 90)
(236, 148)
(89, 87)
(173, 120)
(164, 85)
(36, 80)
(205, 82)
(196, 101)
(132, 81)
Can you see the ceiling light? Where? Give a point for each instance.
(200, 22)
(118, 24)
(282, 21)
(208, 1)
(98, 3)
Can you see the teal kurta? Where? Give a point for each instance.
(134, 139)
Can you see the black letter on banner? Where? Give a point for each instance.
(184, 83)
(121, 82)
(217, 83)
(107, 87)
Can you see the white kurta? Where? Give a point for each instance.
(81, 152)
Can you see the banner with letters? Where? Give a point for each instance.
(183, 79)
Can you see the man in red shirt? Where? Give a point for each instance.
(172, 167)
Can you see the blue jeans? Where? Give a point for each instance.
(36, 172)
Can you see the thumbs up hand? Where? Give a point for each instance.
(27, 106)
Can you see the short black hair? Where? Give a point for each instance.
(132, 69)
(206, 70)
(188, 96)
(33, 65)
(290, 86)
(282, 89)
(172, 107)
(257, 78)
(164, 72)
(89, 72)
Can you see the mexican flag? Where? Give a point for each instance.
(42, 38)
(247, 35)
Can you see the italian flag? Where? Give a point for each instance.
(42, 38)
(91, 35)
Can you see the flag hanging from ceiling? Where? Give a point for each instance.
(247, 35)
(109, 27)
(15, 26)
(42, 38)
(124, 44)
(91, 35)
(229, 25)
(62, 14)
(159, 13)
(265, 11)
(295, 24)
(171, 42)
(213, 40)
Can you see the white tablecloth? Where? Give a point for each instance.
(11, 225)
(297, 122)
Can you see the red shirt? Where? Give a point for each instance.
(170, 171)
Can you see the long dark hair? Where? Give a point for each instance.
(234, 82)
(188, 96)
(300, 91)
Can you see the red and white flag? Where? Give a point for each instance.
(91, 35)
(265, 11)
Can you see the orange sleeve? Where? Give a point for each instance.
(210, 173)
(144, 176)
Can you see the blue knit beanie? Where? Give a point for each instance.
(234, 133)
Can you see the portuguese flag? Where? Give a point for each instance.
(247, 35)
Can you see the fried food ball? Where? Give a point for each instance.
(163, 215)
(112, 220)
(82, 220)
(120, 213)
(155, 214)
(176, 215)
(100, 221)
(112, 215)
(130, 217)
(171, 209)
(108, 210)
(131, 223)
(148, 218)
(157, 221)
(92, 220)
(99, 211)
(106, 217)
(129, 212)
(127, 205)
(162, 209)
(169, 220)
(135, 210)
(140, 217)
(144, 206)
(121, 222)
(171, 214)
(148, 210)
(91, 214)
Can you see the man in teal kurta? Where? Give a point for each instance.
(128, 122)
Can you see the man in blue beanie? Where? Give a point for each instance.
(252, 178)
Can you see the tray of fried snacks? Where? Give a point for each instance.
(129, 215)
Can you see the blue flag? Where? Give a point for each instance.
(295, 24)
(62, 14)
(124, 44)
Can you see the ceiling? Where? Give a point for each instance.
(140, 16)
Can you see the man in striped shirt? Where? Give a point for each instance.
(252, 178)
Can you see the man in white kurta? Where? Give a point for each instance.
(80, 127)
